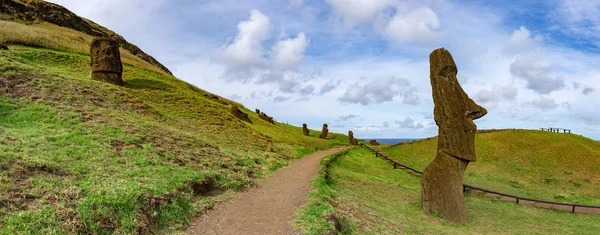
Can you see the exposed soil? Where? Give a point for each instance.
(267, 208)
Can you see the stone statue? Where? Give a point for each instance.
(351, 138)
(454, 112)
(305, 130)
(106, 61)
(324, 132)
(236, 112)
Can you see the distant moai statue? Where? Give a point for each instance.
(324, 132)
(373, 142)
(454, 112)
(351, 138)
(106, 61)
(305, 130)
(257, 111)
(236, 112)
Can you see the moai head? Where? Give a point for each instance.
(454, 111)
(304, 126)
(105, 55)
(325, 127)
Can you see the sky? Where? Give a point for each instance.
(363, 65)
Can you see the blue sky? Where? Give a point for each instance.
(363, 65)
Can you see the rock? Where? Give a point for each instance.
(305, 130)
(106, 61)
(236, 112)
(324, 132)
(257, 111)
(454, 112)
(373, 142)
(3, 47)
(351, 139)
(215, 99)
(266, 117)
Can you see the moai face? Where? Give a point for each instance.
(454, 111)
(105, 55)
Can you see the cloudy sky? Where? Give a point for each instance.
(363, 65)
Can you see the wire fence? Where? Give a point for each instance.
(574, 208)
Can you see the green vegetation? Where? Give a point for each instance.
(311, 216)
(372, 198)
(81, 156)
(528, 163)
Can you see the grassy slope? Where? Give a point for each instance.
(83, 156)
(535, 164)
(372, 198)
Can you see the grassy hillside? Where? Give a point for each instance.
(370, 197)
(81, 156)
(536, 164)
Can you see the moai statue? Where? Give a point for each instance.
(324, 131)
(305, 130)
(106, 61)
(236, 112)
(257, 111)
(454, 112)
(351, 138)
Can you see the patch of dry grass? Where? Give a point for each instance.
(46, 35)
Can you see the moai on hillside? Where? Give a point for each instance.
(257, 111)
(106, 61)
(454, 112)
(236, 112)
(351, 138)
(324, 132)
(305, 130)
(373, 143)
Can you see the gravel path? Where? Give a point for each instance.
(267, 208)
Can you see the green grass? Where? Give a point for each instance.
(372, 198)
(528, 163)
(310, 217)
(81, 156)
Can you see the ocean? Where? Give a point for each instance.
(389, 140)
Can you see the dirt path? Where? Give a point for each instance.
(267, 208)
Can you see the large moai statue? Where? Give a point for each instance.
(305, 129)
(454, 112)
(106, 61)
(351, 138)
(324, 132)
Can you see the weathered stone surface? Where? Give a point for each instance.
(373, 142)
(324, 132)
(236, 112)
(106, 60)
(454, 112)
(266, 117)
(305, 130)
(351, 139)
(3, 47)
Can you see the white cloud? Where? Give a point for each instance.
(521, 41)
(381, 90)
(417, 25)
(490, 99)
(355, 12)
(544, 104)
(539, 78)
(409, 123)
(287, 53)
(246, 50)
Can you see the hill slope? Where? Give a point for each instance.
(370, 197)
(528, 163)
(81, 156)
